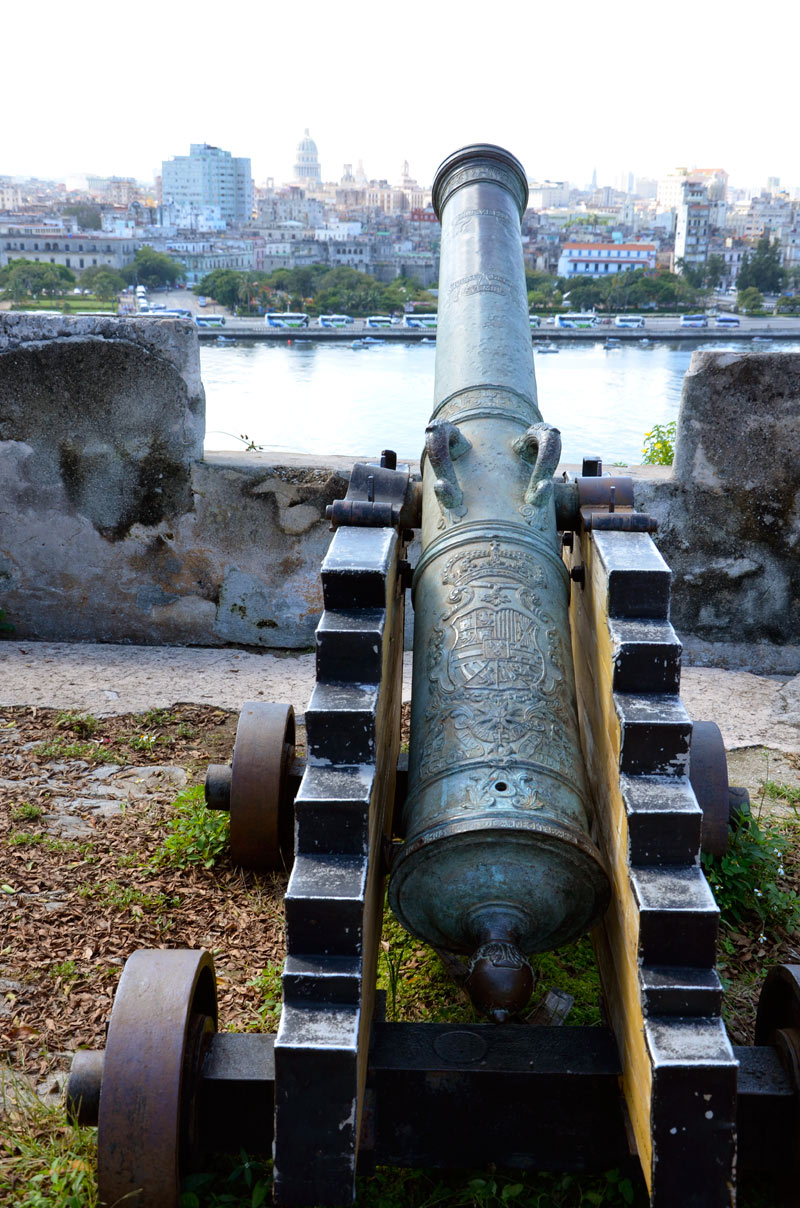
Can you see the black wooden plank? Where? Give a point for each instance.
(664, 819)
(453, 1096)
(638, 577)
(655, 734)
(647, 655)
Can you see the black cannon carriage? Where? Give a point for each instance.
(554, 784)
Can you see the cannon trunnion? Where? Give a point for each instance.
(549, 790)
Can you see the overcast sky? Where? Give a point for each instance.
(567, 87)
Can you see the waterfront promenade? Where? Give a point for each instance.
(663, 329)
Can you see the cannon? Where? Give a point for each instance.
(554, 784)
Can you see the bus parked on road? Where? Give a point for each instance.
(335, 321)
(286, 318)
(727, 321)
(576, 320)
(629, 321)
(694, 321)
(210, 320)
(425, 322)
(378, 321)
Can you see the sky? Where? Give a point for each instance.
(628, 86)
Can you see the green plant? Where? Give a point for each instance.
(25, 839)
(82, 724)
(143, 742)
(659, 445)
(196, 835)
(66, 970)
(268, 984)
(158, 717)
(26, 812)
(746, 880)
(60, 748)
(44, 1163)
(782, 792)
(128, 897)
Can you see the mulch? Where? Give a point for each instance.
(73, 910)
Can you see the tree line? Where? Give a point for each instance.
(315, 289)
(22, 279)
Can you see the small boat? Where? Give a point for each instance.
(360, 343)
(547, 348)
(612, 343)
(224, 339)
(371, 340)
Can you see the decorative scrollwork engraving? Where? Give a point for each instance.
(497, 691)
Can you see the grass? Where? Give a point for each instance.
(26, 813)
(62, 748)
(127, 897)
(83, 725)
(44, 1162)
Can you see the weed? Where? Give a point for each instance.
(268, 984)
(746, 880)
(26, 813)
(158, 717)
(781, 792)
(143, 742)
(66, 970)
(60, 748)
(659, 445)
(44, 1163)
(24, 839)
(197, 835)
(250, 446)
(128, 860)
(185, 730)
(128, 897)
(82, 724)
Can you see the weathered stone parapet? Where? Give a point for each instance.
(113, 527)
(729, 512)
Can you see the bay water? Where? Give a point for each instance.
(321, 398)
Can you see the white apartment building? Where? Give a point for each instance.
(75, 251)
(693, 224)
(583, 259)
(209, 176)
(548, 194)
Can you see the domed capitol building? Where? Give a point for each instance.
(306, 168)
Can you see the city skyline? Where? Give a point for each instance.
(566, 93)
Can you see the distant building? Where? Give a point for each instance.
(693, 224)
(583, 259)
(51, 244)
(208, 176)
(306, 169)
(547, 194)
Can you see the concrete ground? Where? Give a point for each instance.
(755, 713)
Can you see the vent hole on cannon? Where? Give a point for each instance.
(501, 787)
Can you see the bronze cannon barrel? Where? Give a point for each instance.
(498, 860)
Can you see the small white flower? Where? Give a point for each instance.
(758, 893)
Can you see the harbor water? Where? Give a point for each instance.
(308, 397)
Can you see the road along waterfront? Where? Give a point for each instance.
(325, 397)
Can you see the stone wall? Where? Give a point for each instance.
(113, 527)
(729, 511)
